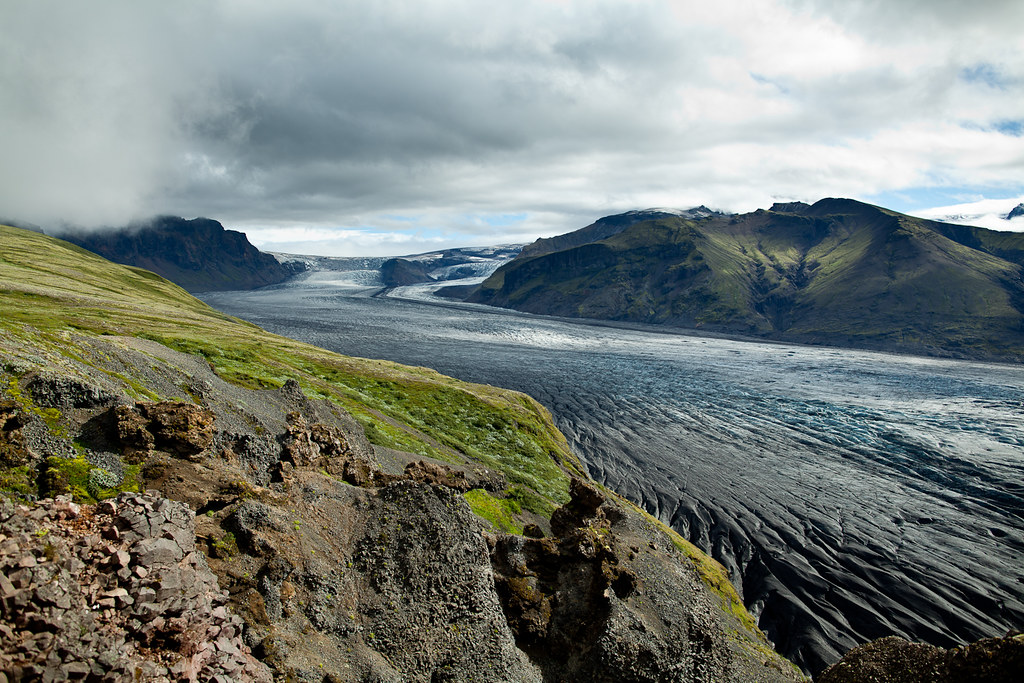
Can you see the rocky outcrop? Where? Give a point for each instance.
(397, 272)
(339, 560)
(299, 546)
(113, 592)
(13, 449)
(181, 429)
(598, 602)
(895, 660)
(406, 585)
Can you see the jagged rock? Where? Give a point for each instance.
(67, 619)
(589, 604)
(533, 531)
(427, 595)
(13, 448)
(133, 434)
(584, 505)
(251, 523)
(895, 660)
(55, 391)
(179, 428)
(325, 448)
(150, 551)
(318, 445)
(559, 593)
(438, 475)
(182, 429)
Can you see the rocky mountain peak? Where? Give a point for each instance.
(197, 254)
(789, 207)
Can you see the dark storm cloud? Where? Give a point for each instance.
(302, 113)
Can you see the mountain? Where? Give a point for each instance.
(198, 254)
(838, 272)
(199, 499)
(608, 226)
(397, 272)
(1015, 211)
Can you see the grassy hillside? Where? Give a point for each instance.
(839, 272)
(74, 323)
(52, 293)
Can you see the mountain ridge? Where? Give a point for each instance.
(608, 226)
(198, 254)
(838, 272)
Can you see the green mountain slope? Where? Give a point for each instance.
(56, 296)
(839, 272)
(606, 227)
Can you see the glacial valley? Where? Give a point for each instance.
(852, 494)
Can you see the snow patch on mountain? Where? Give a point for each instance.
(986, 213)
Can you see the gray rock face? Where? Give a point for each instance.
(399, 589)
(54, 391)
(426, 581)
(405, 585)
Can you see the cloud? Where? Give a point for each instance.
(985, 213)
(303, 115)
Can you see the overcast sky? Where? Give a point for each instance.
(395, 127)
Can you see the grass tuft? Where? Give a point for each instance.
(500, 512)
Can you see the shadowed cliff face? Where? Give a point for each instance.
(199, 254)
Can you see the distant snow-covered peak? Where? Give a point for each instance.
(695, 212)
(993, 214)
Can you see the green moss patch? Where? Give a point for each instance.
(500, 512)
(86, 482)
(21, 481)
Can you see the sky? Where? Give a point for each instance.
(391, 127)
